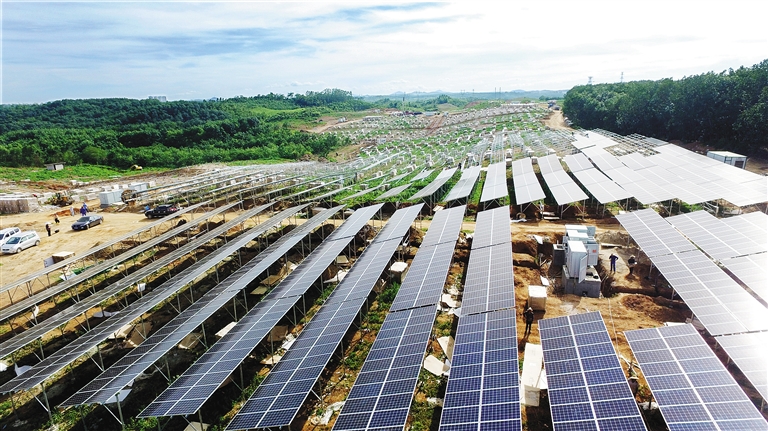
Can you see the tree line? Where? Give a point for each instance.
(727, 109)
(123, 132)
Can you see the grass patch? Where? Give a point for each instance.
(258, 162)
(82, 172)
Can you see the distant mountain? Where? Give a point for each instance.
(514, 94)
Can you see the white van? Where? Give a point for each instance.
(20, 241)
(7, 233)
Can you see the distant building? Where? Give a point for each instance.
(729, 158)
(158, 98)
(54, 166)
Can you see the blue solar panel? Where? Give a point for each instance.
(383, 390)
(692, 387)
(483, 390)
(587, 386)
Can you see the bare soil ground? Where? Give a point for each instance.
(555, 121)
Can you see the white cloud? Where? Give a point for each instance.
(114, 49)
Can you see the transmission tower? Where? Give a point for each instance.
(590, 81)
(622, 77)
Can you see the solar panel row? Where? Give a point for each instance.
(653, 234)
(223, 357)
(715, 237)
(692, 387)
(278, 399)
(586, 384)
(464, 186)
(561, 185)
(102, 389)
(381, 396)
(435, 185)
(495, 186)
(393, 192)
(748, 353)
(527, 187)
(99, 268)
(483, 390)
(52, 364)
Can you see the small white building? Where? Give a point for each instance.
(54, 166)
(729, 158)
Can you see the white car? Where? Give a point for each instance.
(7, 233)
(20, 241)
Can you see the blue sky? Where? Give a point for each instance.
(193, 50)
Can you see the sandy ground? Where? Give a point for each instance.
(14, 266)
(555, 121)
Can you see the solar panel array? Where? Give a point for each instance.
(562, 186)
(748, 353)
(715, 298)
(586, 384)
(423, 174)
(578, 162)
(601, 187)
(381, 396)
(280, 396)
(640, 186)
(80, 346)
(527, 187)
(483, 389)
(756, 223)
(751, 270)
(196, 385)
(495, 186)
(718, 302)
(435, 185)
(105, 246)
(653, 234)
(99, 268)
(489, 282)
(602, 159)
(464, 186)
(102, 389)
(393, 192)
(692, 387)
(716, 238)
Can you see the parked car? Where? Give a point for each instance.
(88, 221)
(161, 211)
(7, 233)
(20, 241)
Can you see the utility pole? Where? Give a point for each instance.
(590, 81)
(622, 77)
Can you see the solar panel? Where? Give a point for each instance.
(490, 281)
(355, 222)
(362, 192)
(99, 268)
(586, 384)
(721, 304)
(690, 384)
(567, 193)
(393, 192)
(464, 187)
(55, 362)
(549, 164)
(748, 352)
(495, 186)
(751, 270)
(492, 227)
(278, 399)
(578, 162)
(601, 187)
(193, 388)
(653, 234)
(635, 161)
(426, 277)
(527, 187)
(382, 393)
(103, 388)
(754, 225)
(445, 226)
(435, 185)
(423, 174)
(483, 389)
(716, 238)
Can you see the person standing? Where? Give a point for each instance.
(48, 228)
(72, 211)
(631, 263)
(528, 320)
(613, 258)
(56, 218)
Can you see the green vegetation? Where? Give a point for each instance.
(123, 132)
(83, 172)
(727, 109)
